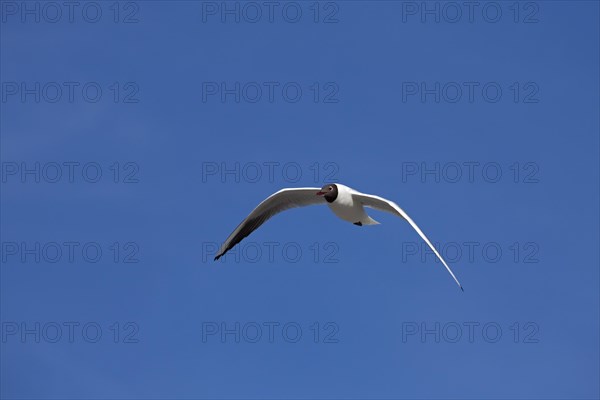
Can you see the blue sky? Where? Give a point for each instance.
(148, 139)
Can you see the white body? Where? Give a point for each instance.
(348, 209)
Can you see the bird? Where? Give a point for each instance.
(345, 202)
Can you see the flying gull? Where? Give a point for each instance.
(345, 202)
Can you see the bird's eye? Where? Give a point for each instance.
(330, 187)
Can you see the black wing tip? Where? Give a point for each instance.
(217, 257)
(461, 288)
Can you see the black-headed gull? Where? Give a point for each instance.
(345, 202)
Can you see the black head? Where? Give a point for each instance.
(329, 191)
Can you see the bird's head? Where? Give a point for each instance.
(329, 191)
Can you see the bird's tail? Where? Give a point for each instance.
(370, 221)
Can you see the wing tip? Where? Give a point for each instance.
(217, 257)
(461, 288)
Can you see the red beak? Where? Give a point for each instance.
(319, 193)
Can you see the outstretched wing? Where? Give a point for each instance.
(379, 203)
(274, 204)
